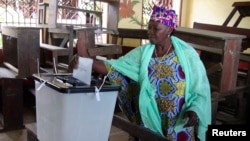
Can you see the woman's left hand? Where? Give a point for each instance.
(192, 118)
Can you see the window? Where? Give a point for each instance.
(17, 12)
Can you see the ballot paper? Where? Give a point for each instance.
(84, 69)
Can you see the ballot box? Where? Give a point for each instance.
(73, 112)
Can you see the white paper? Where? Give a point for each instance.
(84, 69)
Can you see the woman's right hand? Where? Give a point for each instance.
(74, 62)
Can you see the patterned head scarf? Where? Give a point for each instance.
(162, 12)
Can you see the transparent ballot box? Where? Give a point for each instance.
(73, 112)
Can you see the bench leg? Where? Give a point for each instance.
(12, 104)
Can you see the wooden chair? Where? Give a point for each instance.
(86, 40)
(62, 49)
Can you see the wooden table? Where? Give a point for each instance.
(21, 48)
(86, 40)
(66, 33)
(20, 53)
(229, 45)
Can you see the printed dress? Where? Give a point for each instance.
(165, 73)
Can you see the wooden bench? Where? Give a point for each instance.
(11, 104)
(243, 71)
(21, 48)
(20, 53)
(136, 35)
(66, 35)
(234, 30)
(226, 29)
(86, 40)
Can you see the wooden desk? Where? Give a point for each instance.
(65, 33)
(244, 58)
(86, 39)
(228, 44)
(20, 52)
(21, 48)
(11, 116)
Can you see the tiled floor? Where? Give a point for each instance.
(29, 117)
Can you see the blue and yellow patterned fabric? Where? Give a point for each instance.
(166, 75)
(183, 86)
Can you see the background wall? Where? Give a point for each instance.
(130, 14)
(209, 11)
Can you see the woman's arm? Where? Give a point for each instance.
(99, 67)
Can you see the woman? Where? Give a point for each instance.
(164, 83)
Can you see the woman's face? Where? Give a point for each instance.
(157, 32)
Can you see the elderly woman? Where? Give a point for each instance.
(164, 82)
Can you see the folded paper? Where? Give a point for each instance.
(84, 69)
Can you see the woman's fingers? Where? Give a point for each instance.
(74, 62)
